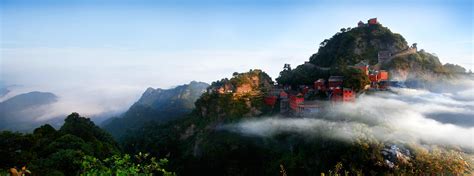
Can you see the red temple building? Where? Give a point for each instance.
(379, 79)
(295, 101)
(348, 95)
(270, 100)
(335, 81)
(372, 21)
(336, 94)
(373, 78)
(292, 101)
(283, 94)
(382, 75)
(342, 94)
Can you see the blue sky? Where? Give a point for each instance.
(122, 47)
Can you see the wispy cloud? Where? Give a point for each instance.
(405, 116)
(92, 81)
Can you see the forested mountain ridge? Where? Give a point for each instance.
(158, 105)
(352, 45)
(48, 151)
(368, 43)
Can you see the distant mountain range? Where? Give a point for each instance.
(21, 112)
(3, 91)
(159, 105)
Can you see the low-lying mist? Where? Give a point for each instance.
(402, 115)
(97, 102)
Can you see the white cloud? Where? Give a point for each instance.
(98, 80)
(403, 116)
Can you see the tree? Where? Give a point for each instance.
(45, 131)
(323, 43)
(355, 79)
(140, 164)
(454, 68)
(343, 30)
(102, 143)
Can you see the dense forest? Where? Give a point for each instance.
(79, 147)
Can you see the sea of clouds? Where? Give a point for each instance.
(442, 116)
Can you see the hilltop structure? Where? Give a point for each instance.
(370, 22)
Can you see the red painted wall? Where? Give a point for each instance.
(271, 100)
(295, 101)
(383, 75)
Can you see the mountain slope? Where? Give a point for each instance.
(202, 143)
(157, 105)
(20, 112)
(353, 45)
(373, 44)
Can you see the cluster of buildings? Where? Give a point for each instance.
(378, 78)
(290, 101)
(297, 102)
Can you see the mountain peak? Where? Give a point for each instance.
(19, 110)
(158, 105)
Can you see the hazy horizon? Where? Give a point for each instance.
(100, 56)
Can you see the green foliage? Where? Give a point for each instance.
(356, 44)
(301, 75)
(67, 161)
(355, 79)
(160, 105)
(420, 61)
(15, 149)
(50, 152)
(141, 164)
(101, 142)
(454, 68)
(345, 48)
(439, 161)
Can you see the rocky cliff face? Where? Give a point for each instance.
(419, 66)
(240, 96)
(158, 105)
(180, 98)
